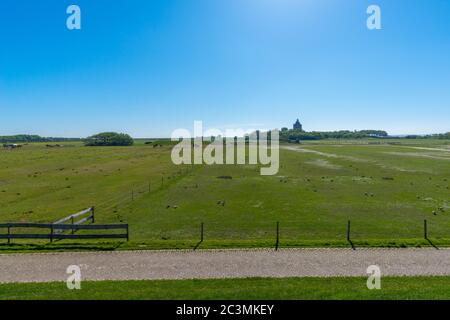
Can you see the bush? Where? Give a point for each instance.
(109, 139)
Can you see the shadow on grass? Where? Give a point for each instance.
(198, 244)
(52, 247)
(218, 244)
(352, 244)
(432, 244)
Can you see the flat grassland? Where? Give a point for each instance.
(336, 288)
(385, 187)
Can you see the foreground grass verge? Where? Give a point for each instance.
(339, 288)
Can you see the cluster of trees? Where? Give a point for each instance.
(296, 135)
(109, 139)
(27, 138)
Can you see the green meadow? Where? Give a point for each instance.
(386, 188)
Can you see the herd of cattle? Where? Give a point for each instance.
(12, 146)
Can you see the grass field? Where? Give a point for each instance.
(242, 289)
(386, 190)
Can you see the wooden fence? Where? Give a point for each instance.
(53, 235)
(89, 217)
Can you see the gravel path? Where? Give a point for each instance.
(121, 265)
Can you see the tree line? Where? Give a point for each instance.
(430, 136)
(28, 138)
(296, 135)
(101, 139)
(291, 135)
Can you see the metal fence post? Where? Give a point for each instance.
(128, 234)
(72, 224)
(9, 234)
(201, 232)
(51, 233)
(278, 235)
(348, 230)
(92, 215)
(425, 229)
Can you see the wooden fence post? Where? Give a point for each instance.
(425, 229)
(93, 214)
(72, 225)
(128, 234)
(348, 230)
(9, 234)
(51, 233)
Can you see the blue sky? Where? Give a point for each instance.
(148, 67)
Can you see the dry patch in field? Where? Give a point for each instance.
(324, 164)
(445, 149)
(354, 159)
(419, 155)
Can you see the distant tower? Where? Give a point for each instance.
(297, 126)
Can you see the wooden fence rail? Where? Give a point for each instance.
(53, 235)
(89, 217)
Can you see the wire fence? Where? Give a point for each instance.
(293, 233)
(132, 193)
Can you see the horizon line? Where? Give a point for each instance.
(168, 137)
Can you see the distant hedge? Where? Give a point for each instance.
(109, 139)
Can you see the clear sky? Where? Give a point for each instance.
(148, 67)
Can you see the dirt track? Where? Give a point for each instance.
(121, 265)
